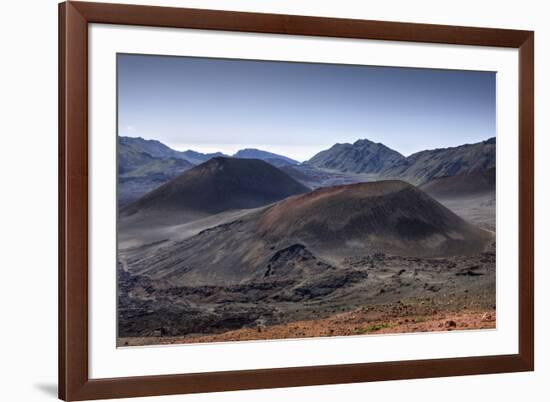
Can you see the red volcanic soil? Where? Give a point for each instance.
(389, 216)
(363, 321)
(330, 195)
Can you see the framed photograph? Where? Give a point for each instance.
(259, 200)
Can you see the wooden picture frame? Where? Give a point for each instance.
(74, 381)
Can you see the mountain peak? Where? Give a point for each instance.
(270, 157)
(363, 156)
(246, 150)
(366, 141)
(220, 184)
(389, 209)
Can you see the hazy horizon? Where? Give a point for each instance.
(299, 109)
(235, 148)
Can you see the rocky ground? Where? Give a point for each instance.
(346, 260)
(372, 294)
(384, 319)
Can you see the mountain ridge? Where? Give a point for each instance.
(363, 156)
(426, 165)
(146, 164)
(367, 157)
(270, 157)
(140, 172)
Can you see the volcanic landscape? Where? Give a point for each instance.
(358, 240)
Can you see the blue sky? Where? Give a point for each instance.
(299, 109)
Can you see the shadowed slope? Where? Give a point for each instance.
(464, 185)
(424, 166)
(471, 196)
(218, 185)
(306, 235)
(391, 216)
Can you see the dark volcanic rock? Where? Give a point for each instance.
(293, 260)
(300, 236)
(218, 185)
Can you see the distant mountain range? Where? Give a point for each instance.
(157, 149)
(144, 165)
(365, 156)
(197, 158)
(147, 164)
